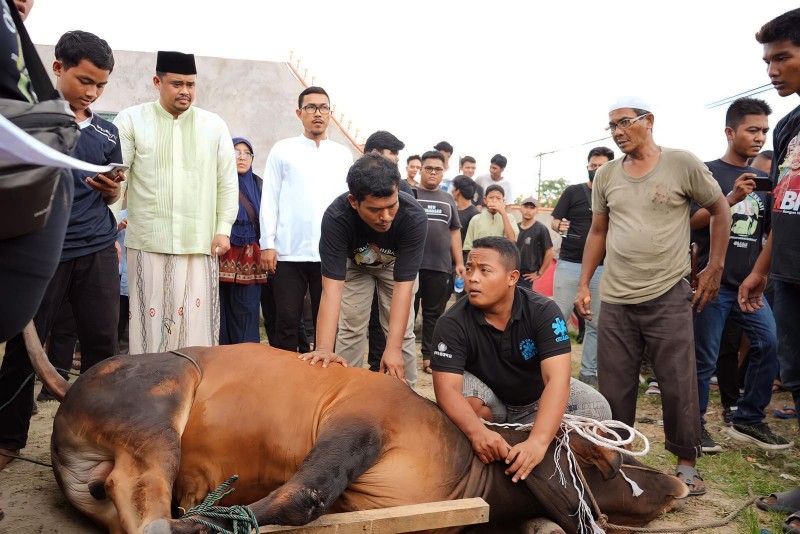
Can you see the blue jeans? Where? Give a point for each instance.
(759, 327)
(787, 317)
(524, 283)
(565, 287)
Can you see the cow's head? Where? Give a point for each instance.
(602, 469)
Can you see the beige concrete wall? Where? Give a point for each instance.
(257, 99)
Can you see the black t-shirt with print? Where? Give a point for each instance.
(786, 207)
(575, 205)
(344, 235)
(750, 221)
(15, 84)
(532, 243)
(508, 361)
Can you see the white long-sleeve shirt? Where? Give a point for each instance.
(300, 182)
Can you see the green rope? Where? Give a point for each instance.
(243, 518)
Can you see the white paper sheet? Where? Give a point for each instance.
(17, 147)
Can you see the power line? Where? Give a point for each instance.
(750, 92)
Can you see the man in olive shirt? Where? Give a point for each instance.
(641, 224)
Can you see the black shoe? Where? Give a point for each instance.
(45, 396)
(759, 434)
(727, 416)
(707, 443)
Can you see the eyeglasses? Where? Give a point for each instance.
(245, 155)
(624, 124)
(311, 109)
(433, 170)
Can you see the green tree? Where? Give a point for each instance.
(551, 191)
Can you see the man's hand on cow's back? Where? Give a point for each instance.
(393, 364)
(325, 356)
(523, 457)
(489, 446)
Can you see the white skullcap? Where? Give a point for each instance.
(633, 102)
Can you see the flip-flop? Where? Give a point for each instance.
(786, 502)
(787, 412)
(787, 526)
(687, 474)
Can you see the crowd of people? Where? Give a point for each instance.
(183, 244)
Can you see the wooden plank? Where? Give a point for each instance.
(412, 518)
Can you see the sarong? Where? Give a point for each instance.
(174, 301)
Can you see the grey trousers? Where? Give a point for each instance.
(351, 342)
(584, 401)
(664, 326)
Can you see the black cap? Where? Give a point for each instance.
(175, 62)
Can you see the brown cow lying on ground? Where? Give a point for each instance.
(137, 436)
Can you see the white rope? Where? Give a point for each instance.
(588, 428)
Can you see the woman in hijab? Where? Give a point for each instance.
(240, 271)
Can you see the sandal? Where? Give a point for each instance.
(426, 366)
(787, 525)
(687, 474)
(786, 502)
(787, 412)
(777, 386)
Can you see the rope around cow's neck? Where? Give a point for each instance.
(588, 429)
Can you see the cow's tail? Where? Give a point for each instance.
(56, 384)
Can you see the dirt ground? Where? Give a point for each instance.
(33, 503)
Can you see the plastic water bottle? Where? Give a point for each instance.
(459, 284)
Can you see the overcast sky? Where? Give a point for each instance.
(516, 78)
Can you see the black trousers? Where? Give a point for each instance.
(377, 340)
(729, 376)
(433, 293)
(27, 263)
(270, 313)
(91, 284)
(291, 281)
(62, 339)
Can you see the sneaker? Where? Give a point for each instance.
(653, 388)
(707, 443)
(761, 435)
(727, 415)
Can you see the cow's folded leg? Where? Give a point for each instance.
(141, 487)
(339, 456)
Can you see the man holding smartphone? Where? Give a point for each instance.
(88, 273)
(746, 128)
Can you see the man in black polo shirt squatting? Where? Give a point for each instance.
(503, 355)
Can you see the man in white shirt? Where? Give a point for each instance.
(495, 176)
(303, 176)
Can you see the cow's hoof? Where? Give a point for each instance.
(159, 526)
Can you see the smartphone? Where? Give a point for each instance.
(763, 184)
(112, 174)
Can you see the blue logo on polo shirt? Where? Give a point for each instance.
(528, 349)
(560, 329)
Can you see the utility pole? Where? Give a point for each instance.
(539, 184)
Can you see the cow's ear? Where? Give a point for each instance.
(605, 460)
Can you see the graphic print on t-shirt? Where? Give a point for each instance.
(373, 256)
(745, 217)
(436, 211)
(787, 192)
